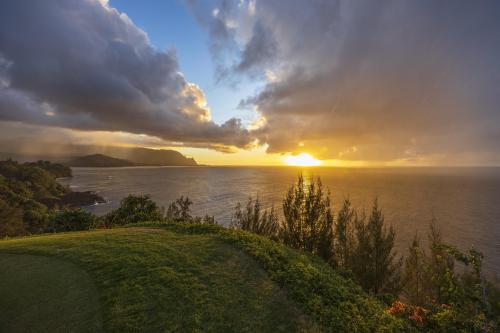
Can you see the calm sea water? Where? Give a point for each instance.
(465, 201)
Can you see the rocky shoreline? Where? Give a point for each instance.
(75, 200)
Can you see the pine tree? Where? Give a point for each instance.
(415, 277)
(362, 254)
(344, 238)
(254, 219)
(441, 267)
(374, 261)
(385, 268)
(308, 219)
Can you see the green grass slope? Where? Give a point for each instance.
(189, 278)
(46, 294)
(148, 280)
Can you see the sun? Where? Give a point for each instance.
(303, 159)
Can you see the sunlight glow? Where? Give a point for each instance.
(302, 159)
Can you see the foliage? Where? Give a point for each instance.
(180, 210)
(11, 219)
(71, 220)
(344, 242)
(308, 219)
(207, 219)
(454, 302)
(58, 170)
(256, 220)
(134, 209)
(441, 265)
(24, 191)
(374, 264)
(414, 313)
(415, 277)
(348, 242)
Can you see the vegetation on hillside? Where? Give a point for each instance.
(99, 161)
(30, 196)
(439, 298)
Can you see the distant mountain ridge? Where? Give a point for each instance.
(126, 156)
(159, 157)
(99, 161)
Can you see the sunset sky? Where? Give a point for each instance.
(346, 83)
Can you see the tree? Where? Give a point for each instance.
(375, 265)
(11, 220)
(134, 209)
(441, 267)
(256, 220)
(362, 253)
(180, 210)
(344, 237)
(385, 268)
(308, 219)
(415, 278)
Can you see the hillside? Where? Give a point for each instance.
(160, 157)
(99, 161)
(176, 278)
(30, 196)
(20, 150)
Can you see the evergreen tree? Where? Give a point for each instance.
(308, 219)
(441, 267)
(256, 220)
(385, 268)
(344, 237)
(362, 253)
(415, 277)
(374, 263)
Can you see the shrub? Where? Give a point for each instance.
(180, 210)
(338, 304)
(71, 220)
(256, 220)
(134, 209)
(11, 220)
(454, 302)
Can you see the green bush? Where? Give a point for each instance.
(71, 220)
(11, 220)
(134, 209)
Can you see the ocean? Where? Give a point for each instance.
(464, 201)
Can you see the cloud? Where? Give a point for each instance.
(398, 80)
(84, 65)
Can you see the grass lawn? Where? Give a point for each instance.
(138, 280)
(42, 294)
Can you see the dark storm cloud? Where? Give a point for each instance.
(84, 65)
(374, 80)
(259, 50)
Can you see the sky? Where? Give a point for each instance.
(252, 82)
